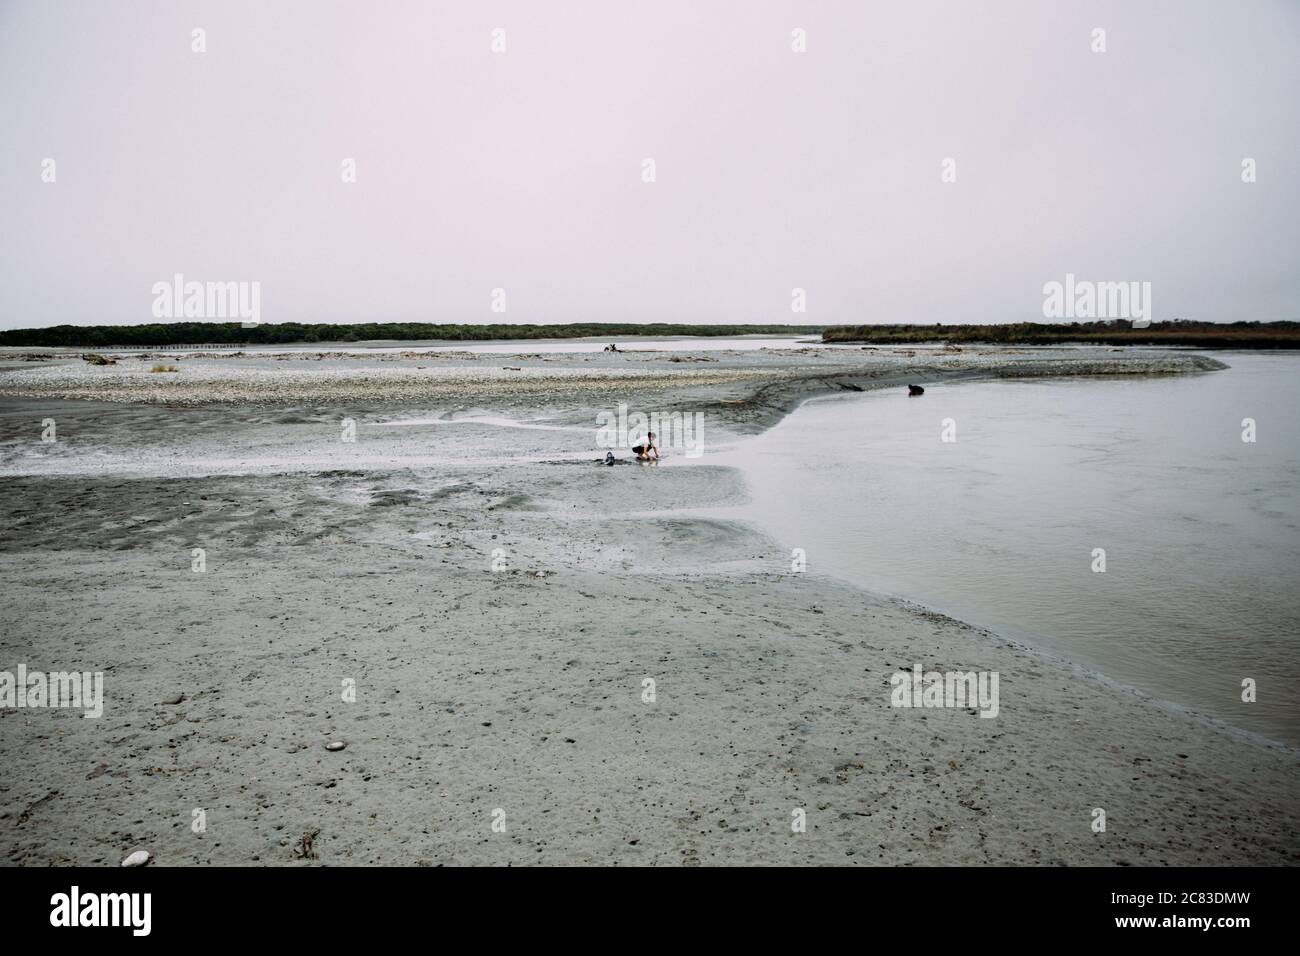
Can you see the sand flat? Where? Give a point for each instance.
(521, 689)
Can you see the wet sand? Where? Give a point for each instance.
(521, 689)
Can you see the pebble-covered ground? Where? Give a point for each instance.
(338, 378)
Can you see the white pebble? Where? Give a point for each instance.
(138, 858)
(335, 745)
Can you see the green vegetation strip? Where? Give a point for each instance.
(1237, 335)
(285, 333)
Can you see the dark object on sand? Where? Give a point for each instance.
(94, 359)
(306, 850)
(915, 390)
(611, 348)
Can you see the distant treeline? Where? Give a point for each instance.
(1237, 335)
(286, 333)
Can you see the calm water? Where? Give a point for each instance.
(1201, 530)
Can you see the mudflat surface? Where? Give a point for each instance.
(499, 614)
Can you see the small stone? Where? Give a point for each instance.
(174, 698)
(138, 858)
(335, 745)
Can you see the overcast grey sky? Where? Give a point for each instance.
(774, 169)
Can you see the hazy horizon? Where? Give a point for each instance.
(522, 170)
